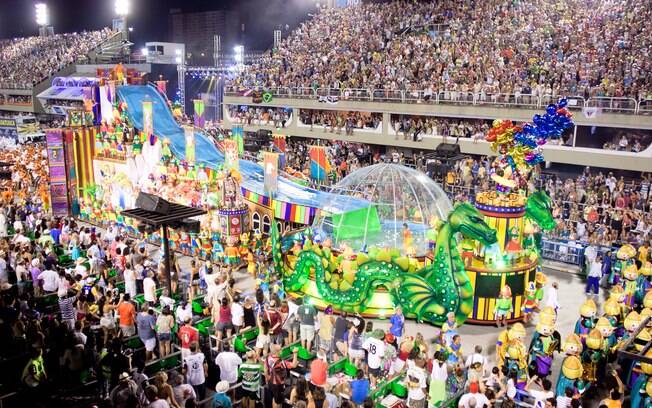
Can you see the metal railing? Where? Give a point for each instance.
(517, 99)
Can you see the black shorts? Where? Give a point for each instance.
(277, 391)
(374, 371)
(252, 395)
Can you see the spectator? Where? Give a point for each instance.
(196, 369)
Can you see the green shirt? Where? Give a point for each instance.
(250, 373)
(504, 304)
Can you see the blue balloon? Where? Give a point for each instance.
(536, 119)
(563, 102)
(551, 109)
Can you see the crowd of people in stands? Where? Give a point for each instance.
(334, 121)
(416, 127)
(255, 115)
(28, 61)
(461, 47)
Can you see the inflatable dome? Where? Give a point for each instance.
(400, 204)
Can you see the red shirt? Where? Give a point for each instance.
(318, 372)
(188, 335)
(274, 318)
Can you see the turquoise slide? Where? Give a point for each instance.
(165, 126)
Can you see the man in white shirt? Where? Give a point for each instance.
(237, 314)
(593, 276)
(195, 368)
(477, 358)
(416, 382)
(149, 288)
(50, 281)
(375, 347)
(228, 362)
(475, 395)
(551, 297)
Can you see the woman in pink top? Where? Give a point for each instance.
(222, 319)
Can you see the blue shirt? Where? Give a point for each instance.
(359, 390)
(221, 401)
(397, 322)
(55, 233)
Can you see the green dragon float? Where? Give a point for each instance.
(427, 294)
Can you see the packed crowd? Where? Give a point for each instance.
(335, 121)
(15, 100)
(28, 61)
(540, 48)
(251, 115)
(416, 127)
(632, 143)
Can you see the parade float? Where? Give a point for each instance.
(411, 247)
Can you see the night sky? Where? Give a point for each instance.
(150, 17)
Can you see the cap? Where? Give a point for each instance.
(222, 387)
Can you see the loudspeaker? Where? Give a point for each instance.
(448, 149)
(150, 202)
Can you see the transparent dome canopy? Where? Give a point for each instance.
(400, 204)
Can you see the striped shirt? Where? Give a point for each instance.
(66, 308)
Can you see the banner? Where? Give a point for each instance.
(162, 86)
(590, 112)
(238, 135)
(148, 124)
(270, 164)
(199, 109)
(231, 155)
(57, 165)
(189, 133)
(8, 129)
(279, 143)
(319, 166)
(71, 170)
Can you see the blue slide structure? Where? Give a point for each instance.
(206, 152)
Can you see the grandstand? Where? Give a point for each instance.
(431, 61)
(30, 63)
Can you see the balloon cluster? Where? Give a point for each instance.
(519, 147)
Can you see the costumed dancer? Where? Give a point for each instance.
(641, 394)
(644, 282)
(571, 368)
(516, 358)
(613, 313)
(504, 306)
(609, 342)
(586, 322)
(592, 356)
(545, 341)
(630, 280)
(513, 248)
(530, 303)
(624, 257)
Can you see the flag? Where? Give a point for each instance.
(279, 143)
(148, 120)
(270, 164)
(319, 165)
(237, 132)
(590, 112)
(189, 134)
(199, 109)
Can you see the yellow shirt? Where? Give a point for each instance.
(643, 253)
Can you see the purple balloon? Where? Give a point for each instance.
(541, 142)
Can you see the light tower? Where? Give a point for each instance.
(43, 19)
(122, 8)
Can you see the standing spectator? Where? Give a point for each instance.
(196, 369)
(359, 388)
(251, 371)
(220, 400)
(319, 369)
(67, 309)
(416, 384)
(438, 377)
(164, 324)
(326, 323)
(187, 336)
(375, 347)
(237, 314)
(307, 314)
(146, 322)
(276, 372)
(474, 394)
(182, 391)
(397, 320)
(149, 288)
(127, 314)
(275, 322)
(228, 362)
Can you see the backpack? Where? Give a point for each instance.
(279, 372)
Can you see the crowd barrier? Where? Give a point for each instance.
(517, 99)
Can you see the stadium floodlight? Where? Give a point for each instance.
(144, 51)
(122, 7)
(177, 60)
(42, 17)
